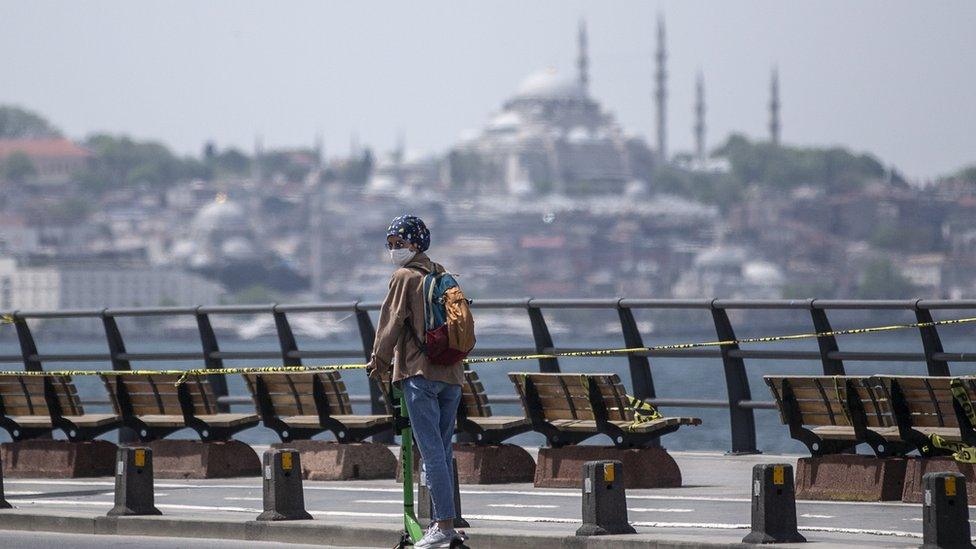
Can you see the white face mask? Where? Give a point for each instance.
(401, 256)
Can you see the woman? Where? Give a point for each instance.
(432, 392)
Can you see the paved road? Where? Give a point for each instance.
(47, 540)
(715, 498)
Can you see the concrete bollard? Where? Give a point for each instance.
(133, 483)
(604, 500)
(283, 495)
(425, 507)
(3, 500)
(773, 505)
(945, 511)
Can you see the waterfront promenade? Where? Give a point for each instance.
(711, 509)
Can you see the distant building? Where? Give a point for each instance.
(89, 285)
(55, 160)
(730, 272)
(551, 136)
(222, 243)
(17, 237)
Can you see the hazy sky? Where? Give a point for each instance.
(894, 78)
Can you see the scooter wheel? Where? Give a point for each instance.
(404, 542)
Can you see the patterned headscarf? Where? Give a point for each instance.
(412, 229)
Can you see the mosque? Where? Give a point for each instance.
(551, 136)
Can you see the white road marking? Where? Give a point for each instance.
(397, 501)
(917, 519)
(519, 493)
(500, 518)
(21, 493)
(233, 498)
(659, 510)
(101, 483)
(159, 505)
(835, 530)
(811, 515)
(522, 506)
(709, 525)
(356, 514)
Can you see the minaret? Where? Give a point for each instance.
(583, 61)
(774, 123)
(317, 150)
(256, 161)
(700, 119)
(660, 94)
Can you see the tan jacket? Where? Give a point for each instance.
(394, 344)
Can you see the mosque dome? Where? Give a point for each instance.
(238, 249)
(505, 121)
(222, 216)
(762, 273)
(549, 84)
(721, 257)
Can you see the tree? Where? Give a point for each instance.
(233, 161)
(781, 167)
(17, 168)
(120, 161)
(880, 280)
(18, 123)
(967, 174)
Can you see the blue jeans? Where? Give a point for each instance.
(432, 406)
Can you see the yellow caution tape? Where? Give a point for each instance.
(960, 452)
(959, 394)
(643, 412)
(536, 356)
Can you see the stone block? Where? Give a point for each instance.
(493, 464)
(918, 467)
(644, 467)
(177, 458)
(46, 458)
(330, 460)
(849, 477)
(485, 464)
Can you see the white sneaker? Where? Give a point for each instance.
(436, 538)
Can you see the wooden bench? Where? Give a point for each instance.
(924, 406)
(154, 406)
(298, 406)
(32, 406)
(475, 418)
(833, 414)
(570, 408)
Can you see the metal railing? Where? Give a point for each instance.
(738, 399)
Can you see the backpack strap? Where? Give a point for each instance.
(406, 322)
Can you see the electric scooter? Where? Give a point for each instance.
(412, 531)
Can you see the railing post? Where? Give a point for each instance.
(28, 348)
(286, 338)
(931, 342)
(641, 377)
(367, 334)
(116, 346)
(827, 344)
(543, 341)
(743, 423)
(640, 366)
(208, 340)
